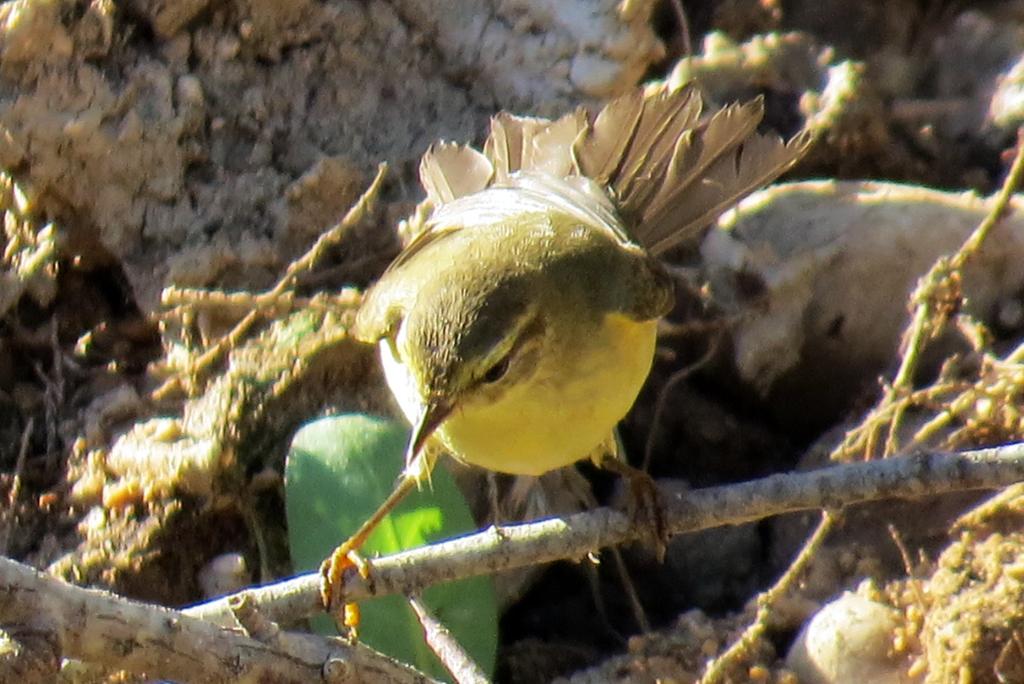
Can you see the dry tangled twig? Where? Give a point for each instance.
(276, 301)
(934, 303)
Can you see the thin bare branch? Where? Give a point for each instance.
(112, 632)
(932, 291)
(15, 493)
(451, 654)
(280, 291)
(575, 536)
(717, 670)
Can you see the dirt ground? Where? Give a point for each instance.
(204, 146)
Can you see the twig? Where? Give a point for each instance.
(12, 497)
(993, 506)
(284, 284)
(945, 269)
(684, 26)
(334, 235)
(103, 629)
(253, 622)
(575, 536)
(174, 297)
(908, 567)
(935, 299)
(19, 464)
(716, 671)
(585, 495)
(632, 596)
(659, 406)
(54, 397)
(447, 649)
(998, 208)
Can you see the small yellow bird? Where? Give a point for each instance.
(518, 326)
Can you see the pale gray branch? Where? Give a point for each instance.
(577, 535)
(448, 650)
(117, 634)
(42, 618)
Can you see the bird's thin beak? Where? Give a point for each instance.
(433, 415)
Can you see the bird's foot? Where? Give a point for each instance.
(332, 585)
(645, 504)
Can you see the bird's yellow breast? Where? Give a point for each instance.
(586, 381)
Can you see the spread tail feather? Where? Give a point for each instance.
(449, 171)
(669, 173)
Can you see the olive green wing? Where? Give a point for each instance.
(386, 303)
(381, 312)
(447, 171)
(647, 291)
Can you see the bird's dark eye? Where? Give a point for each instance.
(497, 371)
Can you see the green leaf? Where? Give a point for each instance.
(339, 470)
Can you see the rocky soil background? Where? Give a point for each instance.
(164, 163)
